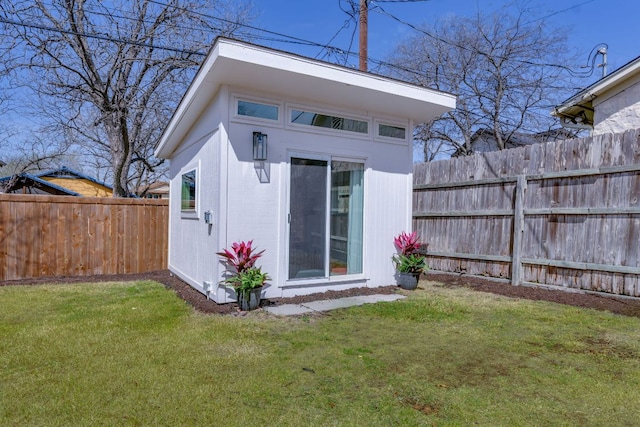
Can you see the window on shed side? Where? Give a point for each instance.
(188, 200)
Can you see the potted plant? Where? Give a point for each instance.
(246, 279)
(409, 262)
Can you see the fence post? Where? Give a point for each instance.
(518, 231)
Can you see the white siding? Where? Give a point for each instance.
(258, 210)
(249, 199)
(193, 243)
(619, 112)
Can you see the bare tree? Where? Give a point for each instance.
(506, 71)
(6, 49)
(113, 71)
(37, 154)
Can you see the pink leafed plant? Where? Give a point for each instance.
(241, 256)
(407, 243)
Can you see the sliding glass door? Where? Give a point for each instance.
(326, 212)
(307, 218)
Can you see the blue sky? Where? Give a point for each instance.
(588, 22)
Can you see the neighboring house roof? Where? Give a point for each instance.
(31, 184)
(578, 111)
(62, 181)
(158, 188)
(235, 63)
(77, 182)
(484, 140)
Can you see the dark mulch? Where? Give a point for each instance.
(618, 305)
(623, 306)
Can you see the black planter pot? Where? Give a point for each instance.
(408, 281)
(249, 300)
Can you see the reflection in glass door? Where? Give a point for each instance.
(326, 213)
(347, 214)
(308, 218)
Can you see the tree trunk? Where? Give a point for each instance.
(121, 153)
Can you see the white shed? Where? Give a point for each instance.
(333, 190)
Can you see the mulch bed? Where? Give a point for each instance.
(623, 306)
(617, 305)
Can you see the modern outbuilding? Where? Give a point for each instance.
(310, 160)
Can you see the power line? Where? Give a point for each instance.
(204, 15)
(98, 37)
(282, 38)
(344, 26)
(111, 14)
(560, 11)
(463, 47)
(191, 52)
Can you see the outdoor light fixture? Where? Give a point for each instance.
(259, 146)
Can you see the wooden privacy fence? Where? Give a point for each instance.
(563, 214)
(47, 236)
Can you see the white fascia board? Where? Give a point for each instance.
(325, 75)
(304, 78)
(191, 102)
(252, 67)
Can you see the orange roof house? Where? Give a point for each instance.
(62, 181)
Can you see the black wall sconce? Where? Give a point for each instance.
(259, 146)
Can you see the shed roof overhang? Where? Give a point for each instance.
(579, 109)
(252, 67)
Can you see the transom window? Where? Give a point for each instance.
(310, 118)
(390, 131)
(257, 109)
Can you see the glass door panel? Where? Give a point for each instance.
(307, 221)
(347, 215)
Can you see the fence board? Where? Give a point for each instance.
(580, 209)
(48, 236)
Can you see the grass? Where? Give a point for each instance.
(134, 354)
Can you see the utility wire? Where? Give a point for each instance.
(560, 11)
(298, 41)
(98, 37)
(344, 26)
(281, 38)
(463, 47)
(204, 15)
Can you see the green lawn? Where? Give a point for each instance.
(134, 354)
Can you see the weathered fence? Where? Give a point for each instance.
(47, 236)
(564, 214)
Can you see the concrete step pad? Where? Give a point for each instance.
(329, 304)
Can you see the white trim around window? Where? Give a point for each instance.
(335, 123)
(189, 186)
(391, 127)
(256, 110)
